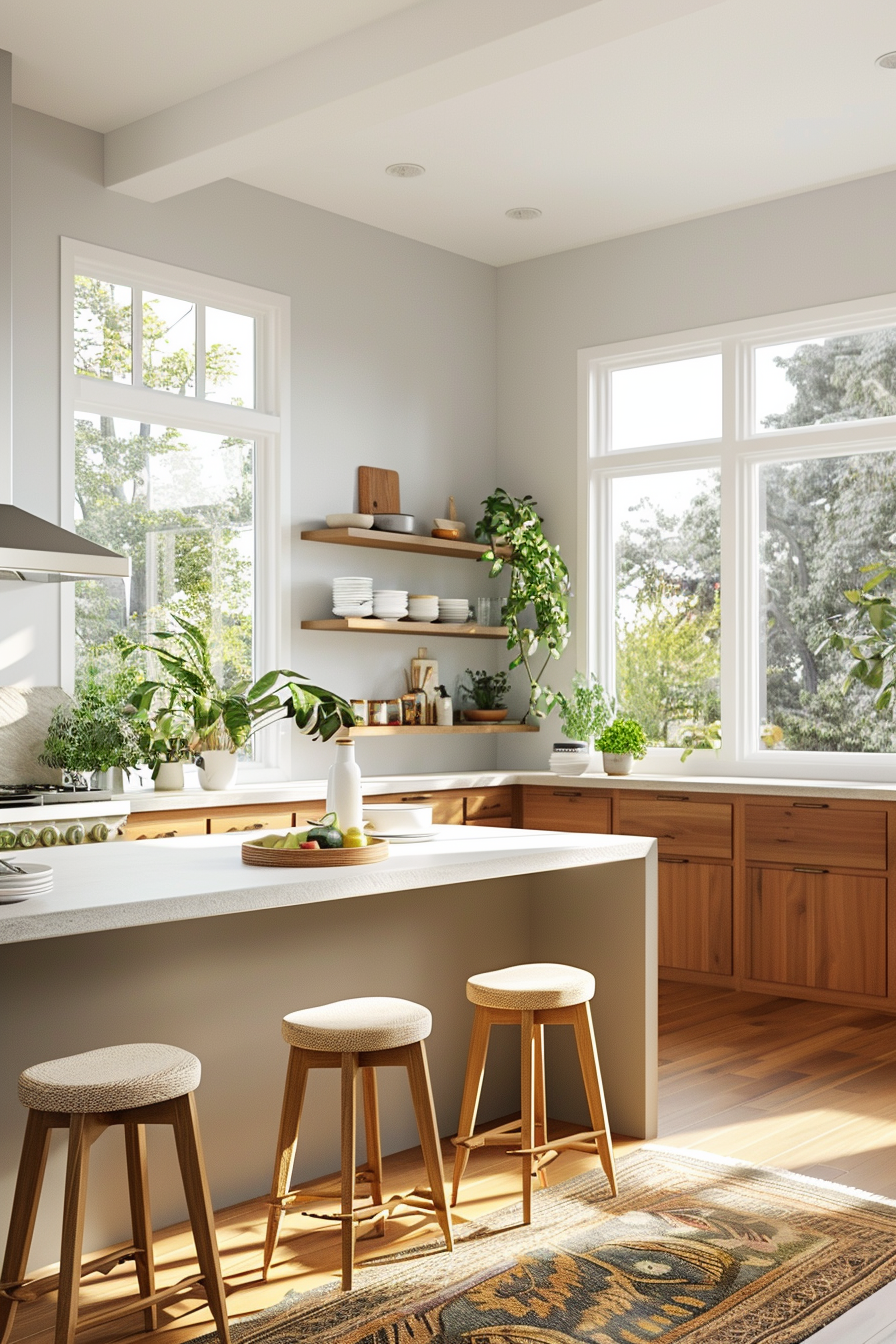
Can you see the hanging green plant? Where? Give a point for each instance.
(538, 579)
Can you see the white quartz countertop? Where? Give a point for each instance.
(122, 885)
(147, 800)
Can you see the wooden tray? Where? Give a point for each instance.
(373, 852)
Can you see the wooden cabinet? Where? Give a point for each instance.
(166, 828)
(814, 832)
(683, 826)
(566, 809)
(695, 916)
(222, 823)
(447, 804)
(488, 807)
(818, 930)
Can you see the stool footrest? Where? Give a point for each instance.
(489, 1138)
(583, 1143)
(419, 1200)
(31, 1290)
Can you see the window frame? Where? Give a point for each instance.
(267, 424)
(738, 453)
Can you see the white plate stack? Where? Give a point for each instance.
(33, 880)
(352, 596)
(454, 610)
(390, 604)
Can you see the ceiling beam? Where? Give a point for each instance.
(415, 58)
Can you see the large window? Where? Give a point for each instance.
(171, 439)
(749, 470)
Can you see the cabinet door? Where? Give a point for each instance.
(818, 929)
(816, 833)
(682, 826)
(447, 804)
(695, 916)
(310, 811)
(222, 823)
(488, 805)
(567, 809)
(169, 829)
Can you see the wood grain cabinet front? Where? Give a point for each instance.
(167, 829)
(224, 823)
(685, 827)
(566, 809)
(817, 833)
(695, 916)
(819, 930)
(447, 804)
(488, 807)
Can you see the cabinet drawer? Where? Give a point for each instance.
(164, 830)
(447, 805)
(487, 804)
(682, 827)
(311, 811)
(490, 821)
(266, 821)
(563, 809)
(817, 834)
(818, 929)
(695, 916)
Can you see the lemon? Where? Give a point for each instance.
(354, 838)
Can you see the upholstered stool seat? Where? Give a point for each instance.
(358, 1024)
(113, 1079)
(357, 1035)
(132, 1086)
(538, 995)
(540, 984)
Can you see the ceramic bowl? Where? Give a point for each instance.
(396, 818)
(349, 520)
(450, 525)
(447, 533)
(395, 522)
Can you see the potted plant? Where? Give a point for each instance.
(583, 716)
(538, 579)
(90, 735)
(222, 720)
(487, 691)
(164, 736)
(622, 742)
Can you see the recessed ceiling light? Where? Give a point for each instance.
(405, 170)
(523, 212)
(888, 60)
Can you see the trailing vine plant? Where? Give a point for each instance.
(538, 578)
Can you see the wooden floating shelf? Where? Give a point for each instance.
(386, 730)
(369, 625)
(400, 541)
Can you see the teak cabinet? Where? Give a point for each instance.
(782, 896)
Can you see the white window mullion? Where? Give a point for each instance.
(137, 338)
(731, 650)
(200, 351)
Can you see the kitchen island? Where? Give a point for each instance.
(179, 941)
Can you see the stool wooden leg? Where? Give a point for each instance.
(141, 1220)
(199, 1208)
(347, 1186)
(83, 1131)
(541, 1123)
(428, 1129)
(372, 1142)
(587, 1048)
(470, 1101)
(290, 1117)
(32, 1165)
(527, 1104)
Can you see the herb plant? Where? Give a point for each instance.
(538, 578)
(487, 690)
(624, 737)
(586, 712)
(90, 734)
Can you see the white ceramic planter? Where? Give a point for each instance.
(618, 763)
(110, 780)
(217, 769)
(170, 775)
(569, 758)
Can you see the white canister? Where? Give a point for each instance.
(444, 709)
(344, 786)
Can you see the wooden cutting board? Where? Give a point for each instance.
(378, 491)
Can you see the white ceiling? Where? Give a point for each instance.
(611, 117)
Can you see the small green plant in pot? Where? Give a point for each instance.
(90, 735)
(487, 690)
(622, 742)
(584, 714)
(164, 734)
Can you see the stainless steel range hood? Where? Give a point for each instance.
(31, 548)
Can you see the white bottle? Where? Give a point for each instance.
(344, 786)
(444, 709)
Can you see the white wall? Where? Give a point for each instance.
(393, 357)
(821, 247)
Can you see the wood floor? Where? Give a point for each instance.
(782, 1082)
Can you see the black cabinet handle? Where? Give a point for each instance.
(665, 858)
(567, 793)
(809, 804)
(803, 869)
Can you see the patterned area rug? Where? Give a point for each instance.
(695, 1248)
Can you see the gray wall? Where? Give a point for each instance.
(821, 247)
(393, 364)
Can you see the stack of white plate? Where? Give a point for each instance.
(352, 596)
(422, 607)
(390, 604)
(402, 825)
(454, 610)
(33, 880)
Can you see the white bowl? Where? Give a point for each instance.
(396, 818)
(349, 520)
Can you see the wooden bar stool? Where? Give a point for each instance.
(533, 997)
(354, 1034)
(133, 1086)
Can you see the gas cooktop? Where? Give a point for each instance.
(37, 795)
